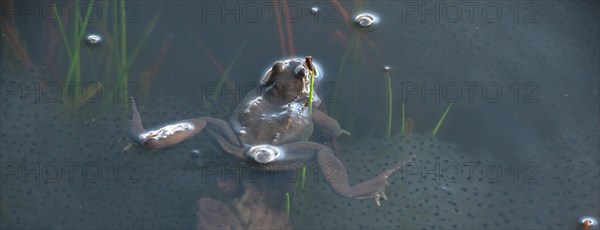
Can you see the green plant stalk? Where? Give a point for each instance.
(342, 67)
(74, 50)
(63, 35)
(300, 181)
(75, 45)
(141, 42)
(123, 43)
(310, 92)
(85, 20)
(61, 28)
(403, 120)
(123, 34)
(302, 177)
(437, 127)
(116, 44)
(389, 86)
(105, 9)
(287, 204)
(227, 70)
(83, 24)
(357, 83)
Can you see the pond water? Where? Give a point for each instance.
(512, 87)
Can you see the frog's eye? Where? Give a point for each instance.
(272, 73)
(301, 72)
(278, 68)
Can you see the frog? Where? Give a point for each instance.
(271, 127)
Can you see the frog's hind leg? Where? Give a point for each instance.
(177, 132)
(335, 174)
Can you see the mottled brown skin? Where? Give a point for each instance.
(276, 115)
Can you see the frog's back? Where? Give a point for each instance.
(257, 121)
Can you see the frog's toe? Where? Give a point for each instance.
(345, 132)
(378, 196)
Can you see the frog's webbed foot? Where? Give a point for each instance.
(378, 196)
(335, 174)
(177, 132)
(383, 176)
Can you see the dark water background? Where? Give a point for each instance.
(542, 131)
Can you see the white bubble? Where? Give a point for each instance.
(365, 20)
(93, 40)
(314, 9)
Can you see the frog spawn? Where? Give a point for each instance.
(446, 202)
(165, 186)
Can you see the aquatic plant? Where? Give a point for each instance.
(403, 127)
(287, 204)
(73, 46)
(437, 126)
(225, 75)
(301, 180)
(13, 38)
(312, 82)
(389, 93)
(116, 65)
(123, 63)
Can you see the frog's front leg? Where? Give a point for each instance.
(333, 169)
(175, 133)
(328, 127)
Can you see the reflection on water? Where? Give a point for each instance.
(518, 149)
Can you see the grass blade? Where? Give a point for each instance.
(437, 127)
(287, 204)
(389, 92)
(403, 131)
(229, 67)
(142, 41)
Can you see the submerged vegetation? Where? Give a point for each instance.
(389, 92)
(439, 123)
(110, 64)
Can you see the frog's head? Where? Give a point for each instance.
(289, 81)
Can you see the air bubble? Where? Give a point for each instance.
(366, 20)
(314, 9)
(93, 40)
